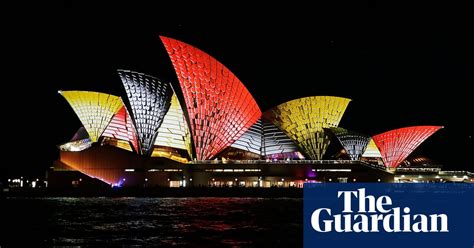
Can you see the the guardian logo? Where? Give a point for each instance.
(374, 215)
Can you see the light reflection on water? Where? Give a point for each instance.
(193, 222)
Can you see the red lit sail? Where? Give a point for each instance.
(219, 106)
(396, 145)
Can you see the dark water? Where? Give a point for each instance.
(192, 222)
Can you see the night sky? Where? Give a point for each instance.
(400, 66)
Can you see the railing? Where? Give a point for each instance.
(306, 161)
(417, 169)
(456, 173)
(377, 167)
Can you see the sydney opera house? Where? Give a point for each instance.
(206, 129)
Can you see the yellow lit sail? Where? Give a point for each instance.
(174, 131)
(94, 109)
(372, 151)
(304, 120)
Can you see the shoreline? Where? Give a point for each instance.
(159, 192)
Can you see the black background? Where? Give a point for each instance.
(402, 65)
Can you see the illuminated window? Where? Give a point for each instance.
(76, 146)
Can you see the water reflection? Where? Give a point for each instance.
(192, 222)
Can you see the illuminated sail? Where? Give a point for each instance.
(94, 109)
(219, 107)
(303, 120)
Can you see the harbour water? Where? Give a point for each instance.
(130, 221)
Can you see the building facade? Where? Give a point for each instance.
(208, 130)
